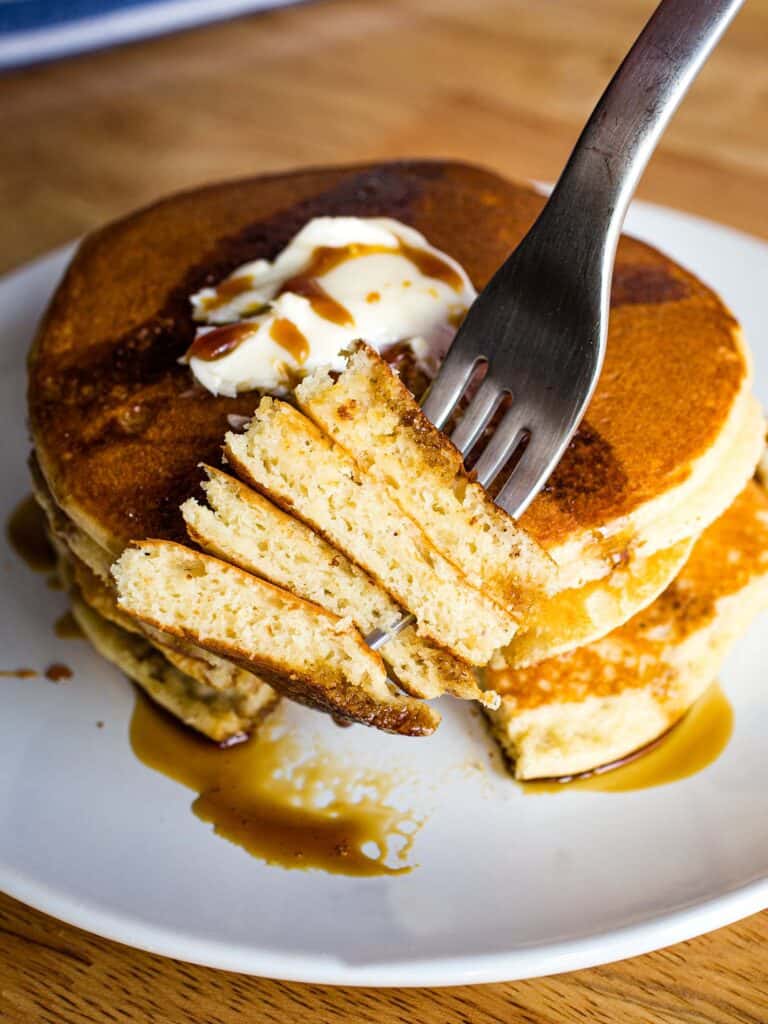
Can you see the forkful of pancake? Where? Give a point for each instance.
(346, 555)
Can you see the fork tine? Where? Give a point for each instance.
(449, 385)
(523, 485)
(502, 445)
(478, 415)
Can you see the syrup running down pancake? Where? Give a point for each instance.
(598, 704)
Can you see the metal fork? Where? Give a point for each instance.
(540, 325)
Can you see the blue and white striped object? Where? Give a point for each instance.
(35, 30)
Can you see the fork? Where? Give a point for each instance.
(540, 325)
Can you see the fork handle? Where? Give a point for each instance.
(620, 136)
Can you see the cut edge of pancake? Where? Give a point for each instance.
(286, 456)
(242, 526)
(303, 651)
(371, 414)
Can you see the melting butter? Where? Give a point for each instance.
(339, 279)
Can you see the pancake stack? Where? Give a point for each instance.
(598, 704)
(120, 430)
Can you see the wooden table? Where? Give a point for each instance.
(495, 81)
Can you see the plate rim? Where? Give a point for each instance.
(544, 959)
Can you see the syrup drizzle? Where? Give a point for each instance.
(219, 342)
(26, 532)
(326, 258)
(227, 290)
(261, 796)
(288, 336)
(67, 627)
(323, 304)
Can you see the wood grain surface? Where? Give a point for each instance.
(499, 82)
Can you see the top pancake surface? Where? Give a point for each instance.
(120, 426)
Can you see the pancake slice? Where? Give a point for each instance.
(597, 704)
(370, 413)
(305, 652)
(287, 457)
(206, 668)
(221, 717)
(243, 527)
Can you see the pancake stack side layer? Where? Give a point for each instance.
(323, 522)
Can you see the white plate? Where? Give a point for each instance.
(508, 885)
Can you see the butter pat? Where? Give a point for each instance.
(340, 279)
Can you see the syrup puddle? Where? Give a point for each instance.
(26, 534)
(282, 805)
(67, 627)
(688, 747)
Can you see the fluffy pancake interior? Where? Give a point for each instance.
(286, 456)
(376, 419)
(243, 527)
(219, 716)
(304, 651)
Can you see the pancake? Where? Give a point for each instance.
(119, 426)
(224, 718)
(283, 454)
(597, 704)
(304, 651)
(240, 525)
(69, 540)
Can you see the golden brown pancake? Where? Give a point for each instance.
(222, 716)
(120, 426)
(595, 705)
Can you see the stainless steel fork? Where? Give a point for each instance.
(540, 325)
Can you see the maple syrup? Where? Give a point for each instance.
(688, 747)
(288, 336)
(226, 291)
(67, 627)
(56, 672)
(26, 532)
(323, 304)
(219, 342)
(257, 796)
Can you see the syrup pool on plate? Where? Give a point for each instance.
(285, 805)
